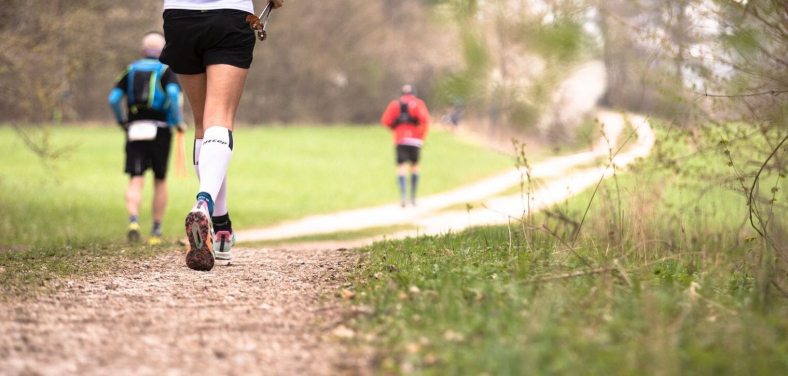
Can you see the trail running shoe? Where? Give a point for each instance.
(155, 240)
(200, 234)
(133, 232)
(223, 241)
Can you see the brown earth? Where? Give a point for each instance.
(272, 312)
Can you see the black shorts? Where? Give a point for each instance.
(408, 153)
(155, 154)
(197, 39)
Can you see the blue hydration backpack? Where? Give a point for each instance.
(144, 89)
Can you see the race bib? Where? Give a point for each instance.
(143, 131)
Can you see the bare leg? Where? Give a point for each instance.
(134, 195)
(224, 89)
(159, 199)
(195, 87)
(402, 169)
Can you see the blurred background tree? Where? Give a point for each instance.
(336, 62)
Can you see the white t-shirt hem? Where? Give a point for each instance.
(185, 5)
(411, 142)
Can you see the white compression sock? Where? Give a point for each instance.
(196, 156)
(215, 155)
(220, 202)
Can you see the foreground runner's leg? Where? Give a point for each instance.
(224, 237)
(223, 88)
(198, 222)
(227, 82)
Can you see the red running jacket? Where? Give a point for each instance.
(406, 133)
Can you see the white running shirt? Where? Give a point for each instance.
(243, 5)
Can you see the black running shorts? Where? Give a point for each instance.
(155, 154)
(408, 153)
(199, 38)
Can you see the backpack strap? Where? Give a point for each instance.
(403, 107)
(130, 85)
(152, 85)
(404, 115)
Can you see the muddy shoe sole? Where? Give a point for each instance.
(133, 236)
(198, 230)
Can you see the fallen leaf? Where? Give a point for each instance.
(348, 295)
(343, 332)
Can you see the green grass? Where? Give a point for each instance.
(276, 174)
(691, 293)
(27, 271)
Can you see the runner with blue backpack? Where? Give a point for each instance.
(153, 107)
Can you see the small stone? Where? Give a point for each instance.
(343, 332)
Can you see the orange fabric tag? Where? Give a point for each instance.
(180, 156)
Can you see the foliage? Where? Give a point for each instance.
(337, 62)
(514, 58)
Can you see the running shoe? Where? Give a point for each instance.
(133, 232)
(155, 240)
(223, 242)
(200, 233)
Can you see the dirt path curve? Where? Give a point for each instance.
(501, 210)
(270, 312)
(430, 221)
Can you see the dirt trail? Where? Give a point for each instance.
(270, 312)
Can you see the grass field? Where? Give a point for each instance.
(276, 174)
(666, 280)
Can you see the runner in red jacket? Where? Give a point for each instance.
(409, 120)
